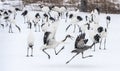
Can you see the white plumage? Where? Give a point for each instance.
(45, 9)
(54, 14)
(30, 38)
(30, 42)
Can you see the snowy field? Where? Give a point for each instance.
(13, 49)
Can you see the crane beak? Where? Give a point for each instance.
(71, 37)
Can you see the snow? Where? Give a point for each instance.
(13, 50)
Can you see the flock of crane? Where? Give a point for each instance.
(49, 17)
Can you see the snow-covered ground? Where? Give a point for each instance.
(13, 48)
